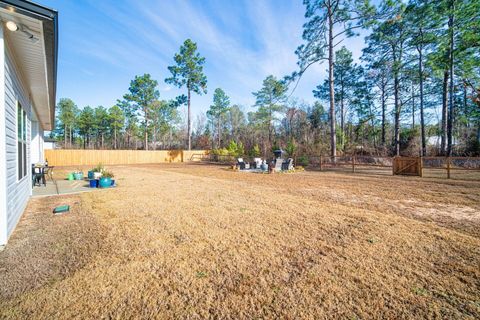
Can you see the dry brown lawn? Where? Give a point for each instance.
(198, 241)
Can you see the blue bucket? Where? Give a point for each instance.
(93, 183)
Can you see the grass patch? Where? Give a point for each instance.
(196, 241)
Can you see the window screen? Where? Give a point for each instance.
(21, 141)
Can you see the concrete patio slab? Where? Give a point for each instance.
(57, 187)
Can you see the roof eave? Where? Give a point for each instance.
(49, 19)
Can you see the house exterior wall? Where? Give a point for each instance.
(18, 190)
(47, 145)
(3, 145)
(36, 151)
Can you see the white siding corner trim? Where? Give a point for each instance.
(3, 161)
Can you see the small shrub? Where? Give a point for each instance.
(303, 161)
(220, 152)
(108, 174)
(235, 149)
(291, 148)
(98, 168)
(255, 151)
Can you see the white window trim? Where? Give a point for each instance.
(18, 104)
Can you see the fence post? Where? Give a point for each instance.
(448, 167)
(320, 162)
(353, 163)
(420, 169)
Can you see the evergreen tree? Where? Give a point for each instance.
(270, 100)
(86, 125)
(101, 124)
(188, 72)
(142, 94)
(236, 122)
(67, 113)
(421, 22)
(218, 110)
(389, 39)
(346, 75)
(116, 119)
(329, 21)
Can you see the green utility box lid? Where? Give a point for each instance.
(61, 209)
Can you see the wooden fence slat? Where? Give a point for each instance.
(62, 157)
(407, 166)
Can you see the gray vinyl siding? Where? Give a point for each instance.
(18, 191)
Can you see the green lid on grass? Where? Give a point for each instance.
(61, 209)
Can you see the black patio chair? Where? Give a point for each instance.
(241, 163)
(38, 176)
(287, 164)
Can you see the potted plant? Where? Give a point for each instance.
(78, 174)
(106, 179)
(96, 172)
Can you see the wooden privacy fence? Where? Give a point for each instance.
(70, 157)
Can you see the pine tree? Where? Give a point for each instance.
(142, 94)
(188, 72)
(329, 21)
(421, 22)
(389, 39)
(67, 112)
(116, 119)
(86, 125)
(270, 100)
(218, 110)
(346, 75)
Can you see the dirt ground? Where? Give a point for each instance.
(200, 241)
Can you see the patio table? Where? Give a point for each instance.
(39, 172)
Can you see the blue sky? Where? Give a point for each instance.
(104, 44)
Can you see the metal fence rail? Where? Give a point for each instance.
(448, 164)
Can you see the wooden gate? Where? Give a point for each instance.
(408, 166)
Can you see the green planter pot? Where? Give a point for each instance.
(78, 176)
(105, 182)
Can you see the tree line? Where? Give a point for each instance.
(415, 91)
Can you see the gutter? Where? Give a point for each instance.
(49, 19)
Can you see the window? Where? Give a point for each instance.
(21, 141)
